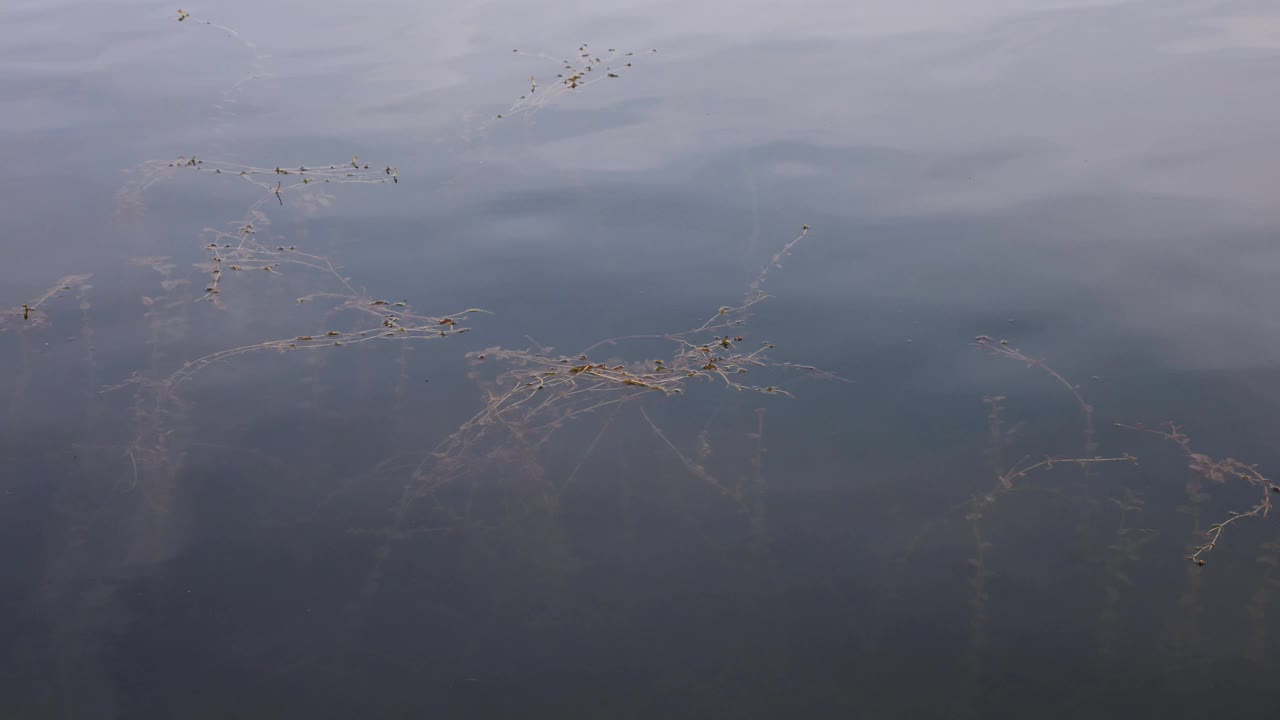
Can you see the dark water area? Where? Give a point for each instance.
(462, 433)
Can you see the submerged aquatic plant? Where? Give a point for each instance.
(1003, 349)
(297, 177)
(245, 253)
(531, 395)
(30, 315)
(584, 68)
(1217, 471)
(1008, 479)
(257, 63)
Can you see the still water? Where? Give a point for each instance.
(639, 359)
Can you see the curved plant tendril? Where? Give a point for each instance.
(1003, 349)
(1217, 472)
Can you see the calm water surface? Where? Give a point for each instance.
(284, 498)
